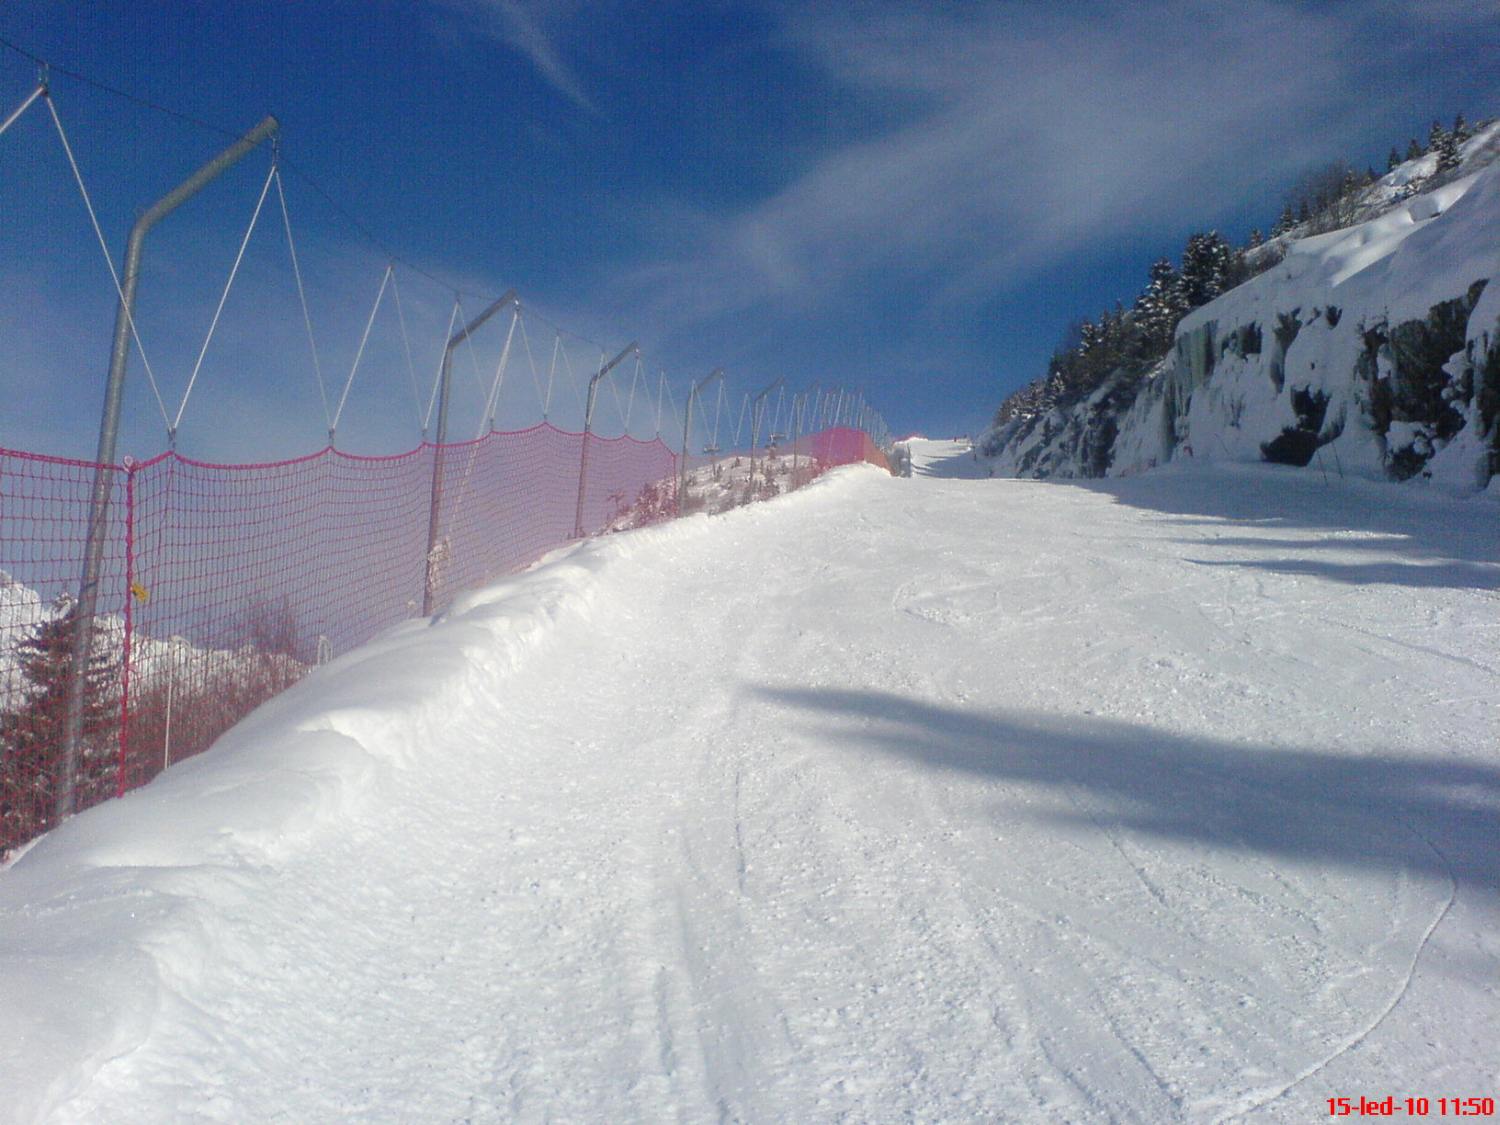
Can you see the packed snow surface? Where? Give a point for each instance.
(1172, 798)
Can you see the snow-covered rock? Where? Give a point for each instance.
(1372, 350)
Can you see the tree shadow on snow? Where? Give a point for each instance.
(1427, 539)
(1433, 575)
(959, 465)
(1384, 812)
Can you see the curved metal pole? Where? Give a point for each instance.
(435, 504)
(796, 428)
(755, 420)
(687, 421)
(588, 429)
(104, 458)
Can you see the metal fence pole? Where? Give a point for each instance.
(687, 420)
(757, 412)
(796, 433)
(435, 504)
(104, 458)
(588, 429)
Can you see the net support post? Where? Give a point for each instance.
(687, 420)
(104, 459)
(588, 429)
(757, 411)
(435, 504)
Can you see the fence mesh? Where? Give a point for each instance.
(221, 585)
(719, 480)
(44, 516)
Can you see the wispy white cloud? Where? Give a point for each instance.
(1029, 135)
(530, 30)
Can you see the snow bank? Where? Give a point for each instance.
(122, 906)
(124, 902)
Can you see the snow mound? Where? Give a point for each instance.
(123, 903)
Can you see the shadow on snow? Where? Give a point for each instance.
(1384, 812)
(1429, 540)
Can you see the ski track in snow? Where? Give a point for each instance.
(892, 800)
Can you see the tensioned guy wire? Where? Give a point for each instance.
(411, 369)
(491, 404)
(536, 381)
(312, 342)
(15, 114)
(289, 165)
(281, 167)
(223, 297)
(108, 260)
(385, 280)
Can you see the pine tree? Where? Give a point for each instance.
(32, 735)
(1088, 337)
(1256, 238)
(1205, 265)
(1237, 272)
(1461, 130)
(1285, 223)
(1304, 213)
(1445, 145)
(1158, 309)
(1413, 150)
(1392, 160)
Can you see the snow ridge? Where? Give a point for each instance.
(113, 911)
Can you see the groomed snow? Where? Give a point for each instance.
(1172, 798)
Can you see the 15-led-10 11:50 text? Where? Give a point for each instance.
(1392, 1106)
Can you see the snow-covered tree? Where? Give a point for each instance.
(1444, 144)
(1159, 307)
(32, 734)
(1205, 266)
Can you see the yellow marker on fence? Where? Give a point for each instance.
(139, 592)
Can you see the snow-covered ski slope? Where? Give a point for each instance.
(1172, 798)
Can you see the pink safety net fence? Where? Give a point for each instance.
(718, 480)
(844, 446)
(221, 585)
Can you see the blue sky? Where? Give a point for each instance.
(913, 198)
